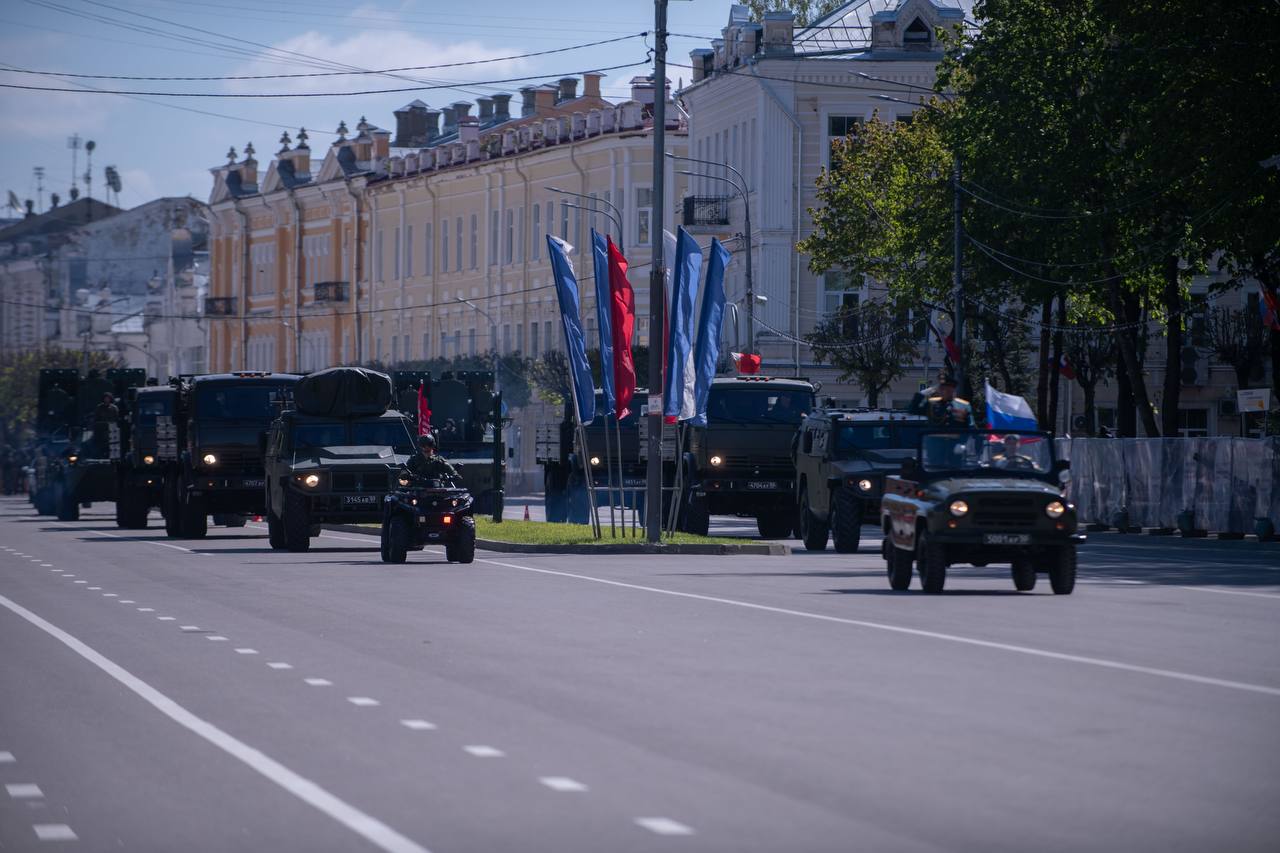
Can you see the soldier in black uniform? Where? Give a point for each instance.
(426, 464)
(941, 405)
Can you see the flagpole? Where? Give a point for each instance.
(608, 467)
(622, 480)
(653, 471)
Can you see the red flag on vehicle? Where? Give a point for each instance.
(747, 362)
(424, 411)
(622, 313)
(1065, 368)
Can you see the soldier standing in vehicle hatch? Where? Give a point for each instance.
(941, 405)
(427, 464)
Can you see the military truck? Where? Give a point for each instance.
(222, 421)
(563, 472)
(334, 456)
(980, 497)
(842, 457)
(148, 445)
(467, 419)
(740, 462)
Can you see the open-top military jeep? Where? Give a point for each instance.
(980, 497)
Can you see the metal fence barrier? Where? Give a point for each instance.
(1218, 484)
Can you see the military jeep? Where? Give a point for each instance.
(842, 458)
(980, 497)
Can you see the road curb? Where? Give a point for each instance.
(713, 549)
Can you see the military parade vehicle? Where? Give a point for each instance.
(420, 512)
(221, 425)
(842, 457)
(740, 462)
(563, 472)
(467, 418)
(334, 455)
(980, 497)
(148, 442)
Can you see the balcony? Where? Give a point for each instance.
(220, 306)
(705, 210)
(331, 291)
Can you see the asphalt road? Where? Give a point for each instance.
(217, 696)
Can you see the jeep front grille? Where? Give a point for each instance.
(366, 482)
(1005, 510)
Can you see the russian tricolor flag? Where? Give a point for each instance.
(1008, 411)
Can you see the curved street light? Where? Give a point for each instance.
(616, 218)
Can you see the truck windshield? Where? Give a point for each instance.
(311, 436)
(239, 402)
(877, 436)
(987, 451)
(149, 410)
(384, 433)
(734, 405)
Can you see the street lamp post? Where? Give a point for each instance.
(497, 386)
(615, 217)
(657, 272)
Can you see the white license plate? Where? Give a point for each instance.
(254, 484)
(762, 485)
(359, 500)
(1006, 539)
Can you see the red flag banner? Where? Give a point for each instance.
(622, 314)
(424, 411)
(748, 363)
(1065, 368)
(948, 343)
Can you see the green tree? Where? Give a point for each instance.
(868, 344)
(19, 378)
(1238, 339)
(806, 11)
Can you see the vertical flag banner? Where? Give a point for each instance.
(668, 287)
(706, 351)
(622, 306)
(575, 342)
(424, 410)
(1008, 411)
(678, 391)
(600, 255)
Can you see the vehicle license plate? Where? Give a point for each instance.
(254, 484)
(762, 485)
(1006, 539)
(359, 500)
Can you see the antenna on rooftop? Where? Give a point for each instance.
(73, 142)
(88, 172)
(39, 173)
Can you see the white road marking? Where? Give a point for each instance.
(126, 601)
(365, 825)
(1031, 651)
(54, 832)
(23, 790)
(45, 565)
(166, 618)
(71, 576)
(246, 651)
(484, 751)
(216, 638)
(563, 784)
(279, 664)
(95, 587)
(7, 758)
(144, 541)
(417, 725)
(146, 610)
(110, 595)
(318, 682)
(663, 826)
(189, 627)
(1230, 591)
(363, 701)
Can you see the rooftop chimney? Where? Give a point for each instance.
(544, 98)
(502, 106)
(591, 84)
(527, 100)
(568, 88)
(703, 62)
(642, 91)
(468, 129)
(450, 120)
(461, 109)
(411, 125)
(381, 144)
(779, 33)
(486, 109)
(433, 124)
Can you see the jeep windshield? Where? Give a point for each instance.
(240, 402)
(987, 452)
(385, 433)
(885, 435)
(755, 405)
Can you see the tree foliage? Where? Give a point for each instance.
(1237, 339)
(867, 344)
(806, 11)
(19, 378)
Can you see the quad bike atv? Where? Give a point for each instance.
(424, 512)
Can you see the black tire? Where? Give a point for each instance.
(897, 564)
(555, 499)
(193, 518)
(382, 542)
(813, 532)
(774, 524)
(846, 522)
(464, 550)
(275, 532)
(932, 563)
(697, 516)
(1024, 575)
(1062, 571)
(234, 520)
(296, 522)
(65, 501)
(398, 539)
(172, 512)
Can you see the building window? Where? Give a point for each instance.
(395, 350)
(644, 212)
(426, 345)
(595, 201)
(551, 223)
(457, 244)
(408, 251)
(917, 35)
(537, 232)
(548, 341)
(475, 242)
(407, 354)
(377, 256)
(1193, 423)
(444, 246)
(520, 235)
(506, 337)
(533, 339)
(839, 290)
(471, 341)
(493, 238)
(564, 220)
(838, 127)
(395, 242)
(428, 256)
(509, 251)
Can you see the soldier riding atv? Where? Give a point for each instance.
(431, 506)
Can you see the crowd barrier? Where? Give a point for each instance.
(1221, 484)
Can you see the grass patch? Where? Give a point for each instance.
(547, 533)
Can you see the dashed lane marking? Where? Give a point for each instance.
(362, 824)
(246, 651)
(663, 826)
(480, 751)
(363, 701)
(126, 601)
(279, 664)
(563, 784)
(417, 725)
(110, 595)
(45, 565)
(1230, 591)
(54, 832)
(95, 588)
(166, 618)
(144, 541)
(23, 790)
(71, 576)
(146, 610)
(318, 682)
(216, 638)
(189, 627)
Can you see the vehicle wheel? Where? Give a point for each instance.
(398, 540)
(1062, 572)
(65, 501)
(774, 524)
(234, 520)
(932, 563)
(697, 517)
(464, 550)
(555, 499)
(296, 522)
(192, 518)
(898, 565)
(1024, 575)
(172, 513)
(382, 542)
(846, 522)
(812, 531)
(275, 532)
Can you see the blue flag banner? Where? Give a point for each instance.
(677, 400)
(575, 342)
(1008, 411)
(706, 351)
(600, 254)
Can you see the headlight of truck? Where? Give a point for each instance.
(311, 481)
(148, 460)
(209, 459)
(864, 485)
(716, 460)
(959, 508)
(72, 458)
(595, 460)
(1055, 509)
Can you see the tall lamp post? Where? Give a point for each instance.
(615, 216)
(657, 272)
(493, 326)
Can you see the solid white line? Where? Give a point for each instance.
(1230, 591)
(23, 790)
(54, 832)
(484, 751)
(318, 682)
(1103, 663)
(563, 784)
(366, 826)
(144, 541)
(417, 725)
(663, 826)
(363, 701)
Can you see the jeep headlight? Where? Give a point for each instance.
(311, 481)
(209, 459)
(595, 460)
(959, 508)
(864, 485)
(1055, 509)
(72, 458)
(716, 460)
(148, 460)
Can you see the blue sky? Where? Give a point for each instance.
(161, 150)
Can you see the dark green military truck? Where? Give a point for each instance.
(147, 445)
(563, 472)
(842, 457)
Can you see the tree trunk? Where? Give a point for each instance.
(1042, 375)
(1090, 414)
(873, 395)
(1126, 416)
(1172, 298)
(1127, 311)
(1055, 368)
